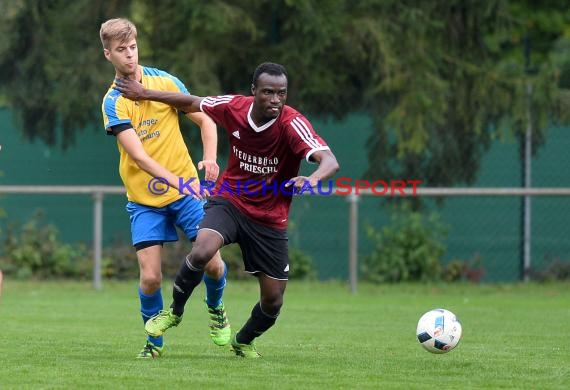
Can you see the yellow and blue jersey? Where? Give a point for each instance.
(159, 131)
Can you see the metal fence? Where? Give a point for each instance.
(491, 224)
(97, 193)
(353, 222)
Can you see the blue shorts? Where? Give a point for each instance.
(159, 223)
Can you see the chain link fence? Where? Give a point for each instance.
(485, 231)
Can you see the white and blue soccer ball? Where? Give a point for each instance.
(439, 331)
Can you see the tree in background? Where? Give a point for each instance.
(454, 78)
(440, 79)
(52, 70)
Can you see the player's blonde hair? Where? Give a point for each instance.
(119, 29)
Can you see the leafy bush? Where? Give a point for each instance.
(555, 270)
(120, 261)
(33, 250)
(301, 265)
(409, 249)
(464, 270)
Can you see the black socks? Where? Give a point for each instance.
(187, 278)
(256, 325)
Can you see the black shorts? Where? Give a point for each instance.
(264, 249)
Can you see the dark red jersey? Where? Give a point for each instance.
(262, 159)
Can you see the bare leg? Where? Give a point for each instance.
(150, 269)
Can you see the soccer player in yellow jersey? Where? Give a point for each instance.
(163, 190)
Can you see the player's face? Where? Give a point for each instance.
(270, 95)
(124, 55)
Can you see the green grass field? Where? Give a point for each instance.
(63, 335)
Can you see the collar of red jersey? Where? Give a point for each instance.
(258, 129)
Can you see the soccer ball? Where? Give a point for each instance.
(438, 331)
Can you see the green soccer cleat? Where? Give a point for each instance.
(245, 350)
(150, 351)
(220, 331)
(158, 324)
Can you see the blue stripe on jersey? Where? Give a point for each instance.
(110, 105)
(154, 72)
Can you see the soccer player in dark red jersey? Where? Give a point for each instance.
(250, 202)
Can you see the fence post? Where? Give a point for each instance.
(97, 238)
(527, 208)
(353, 200)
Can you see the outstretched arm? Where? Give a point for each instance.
(136, 91)
(328, 166)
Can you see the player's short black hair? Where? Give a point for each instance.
(270, 68)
